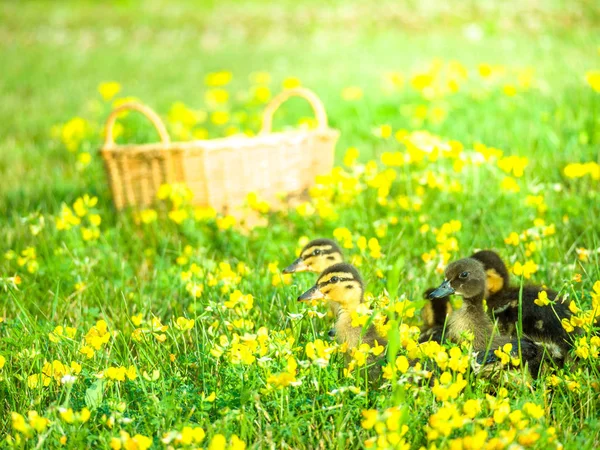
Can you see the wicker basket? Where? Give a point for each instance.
(221, 172)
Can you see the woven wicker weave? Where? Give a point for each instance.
(221, 172)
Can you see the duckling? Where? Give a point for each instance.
(540, 323)
(342, 284)
(316, 256)
(467, 278)
(435, 312)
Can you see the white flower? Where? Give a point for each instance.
(68, 379)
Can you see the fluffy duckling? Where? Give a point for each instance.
(342, 285)
(467, 278)
(540, 323)
(435, 312)
(316, 256)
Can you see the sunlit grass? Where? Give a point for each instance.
(173, 326)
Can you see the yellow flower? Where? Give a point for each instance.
(226, 222)
(217, 96)
(512, 239)
(291, 82)
(526, 270)
(566, 324)
(514, 164)
(178, 215)
(485, 70)
(402, 364)
(509, 184)
(219, 117)
(592, 78)
(184, 324)
(533, 410)
(260, 77)
(218, 78)
(509, 90)
(375, 248)
(351, 156)
(109, 89)
(218, 442)
(370, 418)
(577, 170)
(383, 131)
(421, 81)
(74, 132)
(542, 299)
(471, 408)
(352, 93)
(261, 94)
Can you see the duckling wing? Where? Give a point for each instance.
(539, 322)
(530, 354)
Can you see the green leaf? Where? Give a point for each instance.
(94, 394)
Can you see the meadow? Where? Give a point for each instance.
(468, 127)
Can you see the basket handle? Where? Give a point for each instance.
(312, 98)
(109, 140)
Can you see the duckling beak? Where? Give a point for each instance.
(314, 293)
(296, 266)
(442, 291)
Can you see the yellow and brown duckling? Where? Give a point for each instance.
(342, 285)
(467, 278)
(434, 313)
(316, 256)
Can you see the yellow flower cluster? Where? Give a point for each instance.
(127, 442)
(55, 370)
(28, 259)
(580, 170)
(285, 378)
(30, 426)
(320, 352)
(390, 429)
(83, 211)
(153, 328)
(96, 338)
(120, 373)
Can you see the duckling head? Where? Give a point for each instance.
(465, 277)
(497, 273)
(316, 256)
(341, 284)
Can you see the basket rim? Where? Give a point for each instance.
(235, 141)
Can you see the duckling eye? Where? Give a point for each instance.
(463, 275)
(317, 252)
(334, 279)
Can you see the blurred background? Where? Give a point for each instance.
(513, 74)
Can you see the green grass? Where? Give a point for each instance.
(56, 55)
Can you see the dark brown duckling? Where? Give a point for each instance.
(342, 284)
(467, 278)
(540, 323)
(435, 312)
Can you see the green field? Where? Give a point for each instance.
(463, 127)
